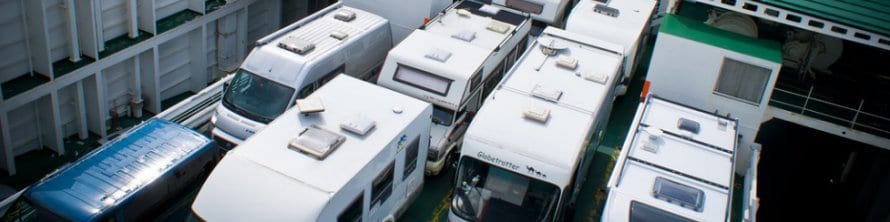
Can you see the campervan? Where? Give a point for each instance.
(526, 155)
(350, 151)
(404, 15)
(294, 61)
(126, 179)
(453, 63)
(676, 165)
(547, 11)
(624, 22)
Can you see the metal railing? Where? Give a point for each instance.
(853, 118)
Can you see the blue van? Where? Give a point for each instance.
(124, 180)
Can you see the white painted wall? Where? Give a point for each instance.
(687, 71)
(174, 61)
(158, 68)
(114, 18)
(169, 7)
(118, 79)
(26, 133)
(13, 48)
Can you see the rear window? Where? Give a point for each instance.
(525, 6)
(640, 212)
(422, 79)
(679, 194)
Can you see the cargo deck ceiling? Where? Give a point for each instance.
(872, 15)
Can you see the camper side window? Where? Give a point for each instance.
(742, 81)
(411, 157)
(526, 6)
(382, 187)
(353, 212)
(422, 80)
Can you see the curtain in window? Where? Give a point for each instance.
(742, 80)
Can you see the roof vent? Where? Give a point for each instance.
(339, 35)
(596, 77)
(688, 125)
(536, 113)
(310, 105)
(566, 62)
(467, 36)
(358, 125)
(491, 10)
(606, 10)
(438, 55)
(345, 15)
(463, 13)
(316, 142)
(548, 94)
(296, 45)
(653, 140)
(498, 27)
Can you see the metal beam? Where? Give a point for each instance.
(802, 21)
(828, 127)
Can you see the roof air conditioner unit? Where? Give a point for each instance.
(345, 15)
(296, 45)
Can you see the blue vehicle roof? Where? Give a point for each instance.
(110, 175)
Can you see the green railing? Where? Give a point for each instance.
(851, 117)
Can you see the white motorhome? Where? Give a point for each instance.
(676, 165)
(624, 22)
(454, 62)
(546, 11)
(525, 156)
(294, 61)
(351, 151)
(404, 15)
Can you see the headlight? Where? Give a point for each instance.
(213, 119)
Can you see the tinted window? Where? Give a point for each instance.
(640, 212)
(411, 157)
(443, 116)
(680, 194)
(382, 187)
(486, 192)
(525, 6)
(256, 98)
(353, 212)
(422, 80)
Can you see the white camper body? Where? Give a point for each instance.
(370, 142)
(296, 60)
(449, 62)
(624, 22)
(525, 155)
(547, 11)
(404, 15)
(676, 165)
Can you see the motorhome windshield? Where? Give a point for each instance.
(255, 97)
(443, 116)
(489, 193)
